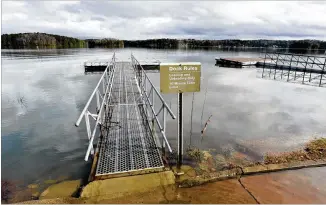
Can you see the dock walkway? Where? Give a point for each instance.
(131, 138)
(127, 143)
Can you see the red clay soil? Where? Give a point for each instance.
(295, 186)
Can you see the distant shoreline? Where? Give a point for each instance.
(50, 41)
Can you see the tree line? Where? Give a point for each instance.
(236, 43)
(105, 43)
(43, 40)
(39, 40)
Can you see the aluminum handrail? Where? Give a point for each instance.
(146, 95)
(105, 99)
(107, 81)
(104, 94)
(159, 95)
(93, 93)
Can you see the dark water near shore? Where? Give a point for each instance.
(44, 91)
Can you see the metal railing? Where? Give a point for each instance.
(307, 69)
(101, 95)
(155, 107)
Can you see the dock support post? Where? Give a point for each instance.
(295, 73)
(321, 75)
(313, 63)
(262, 75)
(180, 131)
(272, 60)
(164, 125)
(290, 68)
(278, 56)
(305, 68)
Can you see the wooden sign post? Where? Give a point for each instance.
(180, 78)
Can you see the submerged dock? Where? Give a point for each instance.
(131, 138)
(305, 69)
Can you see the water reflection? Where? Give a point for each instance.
(44, 91)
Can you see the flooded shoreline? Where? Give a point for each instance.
(205, 168)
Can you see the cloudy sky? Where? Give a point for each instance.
(166, 19)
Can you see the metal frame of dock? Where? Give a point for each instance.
(305, 69)
(130, 116)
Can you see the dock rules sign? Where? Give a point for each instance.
(180, 77)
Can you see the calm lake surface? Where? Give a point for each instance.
(44, 91)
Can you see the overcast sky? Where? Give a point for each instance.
(165, 19)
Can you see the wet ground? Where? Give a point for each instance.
(300, 186)
(295, 186)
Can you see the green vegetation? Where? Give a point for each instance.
(153, 43)
(39, 40)
(195, 154)
(105, 43)
(43, 40)
(298, 46)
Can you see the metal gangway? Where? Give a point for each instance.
(126, 116)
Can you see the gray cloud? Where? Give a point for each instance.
(157, 19)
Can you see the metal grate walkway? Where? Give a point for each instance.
(127, 143)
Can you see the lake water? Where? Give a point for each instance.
(44, 91)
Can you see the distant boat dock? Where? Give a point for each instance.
(238, 62)
(100, 65)
(306, 69)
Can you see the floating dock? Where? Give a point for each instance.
(238, 62)
(95, 66)
(100, 66)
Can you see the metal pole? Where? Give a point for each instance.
(180, 131)
(321, 75)
(97, 101)
(283, 67)
(272, 60)
(290, 68)
(305, 68)
(276, 65)
(107, 74)
(88, 127)
(312, 68)
(164, 125)
(295, 73)
(153, 116)
(262, 75)
(103, 84)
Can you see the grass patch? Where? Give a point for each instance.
(195, 154)
(313, 150)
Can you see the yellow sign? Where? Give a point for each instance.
(180, 77)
